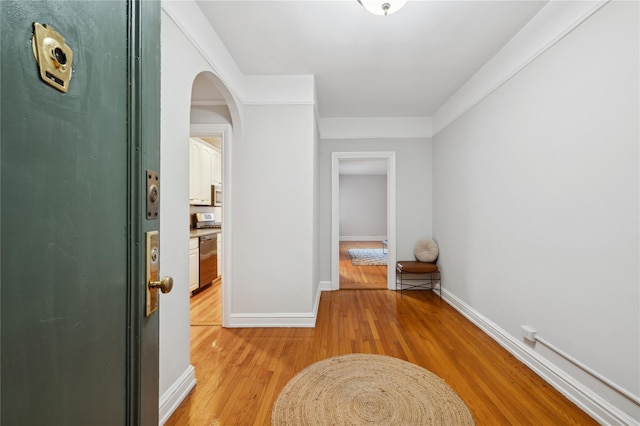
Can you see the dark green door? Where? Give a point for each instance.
(76, 347)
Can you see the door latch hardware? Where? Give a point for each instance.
(153, 194)
(153, 267)
(153, 284)
(53, 56)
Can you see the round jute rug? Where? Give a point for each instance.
(362, 389)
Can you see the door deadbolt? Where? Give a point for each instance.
(153, 194)
(53, 56)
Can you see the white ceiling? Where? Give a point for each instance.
(402, 65)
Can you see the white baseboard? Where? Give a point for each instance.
(288, 319)
(325, 286)
(176, 393)
(364, 238)
(589, 401)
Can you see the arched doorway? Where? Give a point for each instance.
(211, 123)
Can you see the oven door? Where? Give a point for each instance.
(208, 259)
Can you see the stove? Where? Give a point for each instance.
(205, 220)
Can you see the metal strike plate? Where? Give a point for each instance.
(153, 194)
(53, 56)
(153, 268)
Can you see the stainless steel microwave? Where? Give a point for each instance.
(216, 195)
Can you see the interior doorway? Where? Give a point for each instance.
(210, 305)
(211, 124)
(384, 242)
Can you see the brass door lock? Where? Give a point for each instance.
(153, 283)
(53, 56)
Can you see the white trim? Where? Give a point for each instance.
(594, 405)
(374, 127)
(613, 385)
(363, 238)
(177, 392)
(225, 133)
(183, 14)
(554, 21)
(277, 102)
(325, 286)
(279, 90)
(303, 319)
(316, 302)
(288, 319)
(212, 102)
(250, 90)
(336, 157)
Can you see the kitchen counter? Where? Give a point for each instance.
(195, 233)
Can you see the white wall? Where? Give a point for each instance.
(536, 194)
(316, 218)
(273, 194)
(174, 196)
(363, 207)
(273, 243)
(181, 63)
(209, 114)
(413, 192)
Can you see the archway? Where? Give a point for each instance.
(211, 120)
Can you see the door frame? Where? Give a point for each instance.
(336, 158)
(143, 145)
(225, 133)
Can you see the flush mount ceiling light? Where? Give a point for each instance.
(382, 7)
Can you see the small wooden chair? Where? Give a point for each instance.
(414, 267)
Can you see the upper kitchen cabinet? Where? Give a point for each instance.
(204, 170)
(216, 167)
(194, 172)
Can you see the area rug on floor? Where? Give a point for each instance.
(360, 389)
(367, 257)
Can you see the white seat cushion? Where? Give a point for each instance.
(426, 251)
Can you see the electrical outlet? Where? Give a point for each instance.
(528, 333)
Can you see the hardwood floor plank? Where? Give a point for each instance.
(206, 305)
(240, 372)
(360, 277)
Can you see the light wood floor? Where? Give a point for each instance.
(351, 277)
(360, 277)
(240, 372)
(206, 306)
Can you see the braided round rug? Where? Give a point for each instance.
(362, 389)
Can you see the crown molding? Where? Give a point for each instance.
(208, 103)
(280, 90)
(248, 90)
(552, 23)
(187, 16)
(375, 127)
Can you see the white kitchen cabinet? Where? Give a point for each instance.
(206, 159)
(194, 171)
(194, 264)
(201, 162)
(216, 166)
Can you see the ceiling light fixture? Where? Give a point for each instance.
(382, 7)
